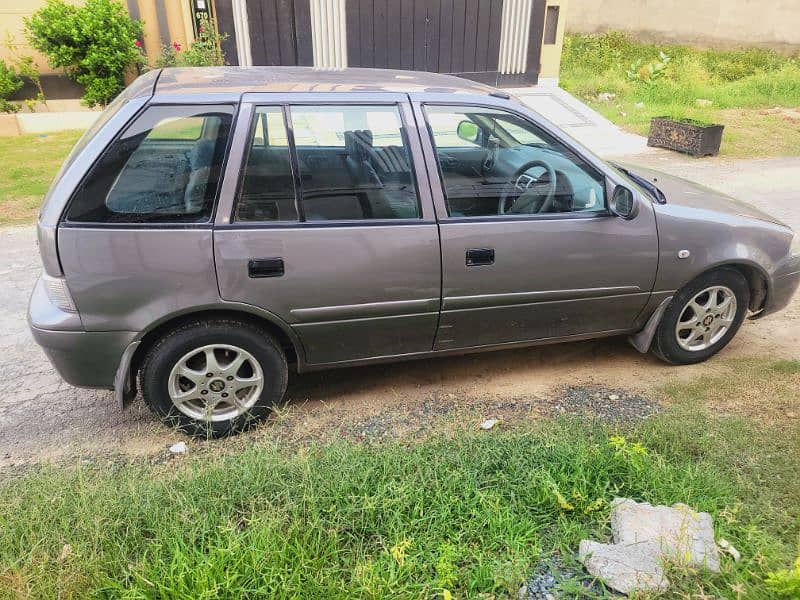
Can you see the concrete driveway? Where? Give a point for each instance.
(41, 417)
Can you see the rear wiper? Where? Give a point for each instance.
(648, 185)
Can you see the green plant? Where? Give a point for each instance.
(26, 67)
(10, 82)
(648, 73)
(786, 583)
(206, 50)
(94, 43)
(168, 56)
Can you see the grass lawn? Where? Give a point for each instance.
(744, 86)
(460, 514)
(29, 164)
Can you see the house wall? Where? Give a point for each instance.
(165, 21)
(12, 30)
(770, 23)
(551, 53)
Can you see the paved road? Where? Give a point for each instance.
(42, 417)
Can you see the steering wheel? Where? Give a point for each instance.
(529, 190)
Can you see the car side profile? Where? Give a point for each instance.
(218, 227)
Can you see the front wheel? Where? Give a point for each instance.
(214, 378)
(702, 317)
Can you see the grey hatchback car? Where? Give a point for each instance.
(217, 226)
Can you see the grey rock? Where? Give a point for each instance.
(682, 535)
(625, 568)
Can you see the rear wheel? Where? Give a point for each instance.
(702, 317)
(214, 378)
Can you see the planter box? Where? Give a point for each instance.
(691, 137)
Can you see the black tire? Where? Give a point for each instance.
(168, 351)
(665, 343)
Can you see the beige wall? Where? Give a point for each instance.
(773, 23)
(177, 29)
(11, 14)
(551, 53)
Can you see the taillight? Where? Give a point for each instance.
(58, 292)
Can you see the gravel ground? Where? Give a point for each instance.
(606, 404)
(553, 579)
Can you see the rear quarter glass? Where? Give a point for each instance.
(165, 167)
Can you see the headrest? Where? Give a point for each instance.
(358, 144)
(202, 154)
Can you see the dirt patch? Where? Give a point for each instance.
(19, 210)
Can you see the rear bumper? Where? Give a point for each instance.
(84, 358)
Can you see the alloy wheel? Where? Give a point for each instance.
(706, 318)
(217, 382)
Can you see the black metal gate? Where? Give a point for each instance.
(460, 37)
(280, 32)
(444, 36)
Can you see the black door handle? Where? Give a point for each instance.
(265, 267)
(480, 256)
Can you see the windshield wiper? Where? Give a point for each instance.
(648, 185)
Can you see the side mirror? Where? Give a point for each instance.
(623, 203)
(468, 131)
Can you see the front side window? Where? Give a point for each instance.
(354, 163)
(493, 162)
(165, 167)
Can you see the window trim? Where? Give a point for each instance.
(593, 214)
(301, 222)
(64, 220)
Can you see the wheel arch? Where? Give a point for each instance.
(287, 339)
(757, 281)
(756, 277)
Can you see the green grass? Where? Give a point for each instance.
(29, 164)
(460, 511)
(741, 84)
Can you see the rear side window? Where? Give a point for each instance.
(267, 190)
(165, 167)
(354, 163)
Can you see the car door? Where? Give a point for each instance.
(328, 229)
(529, 248)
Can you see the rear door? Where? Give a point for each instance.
(328, 227)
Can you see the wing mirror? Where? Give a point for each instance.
(623, 203)
(468, 131)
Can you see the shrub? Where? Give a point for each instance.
(733, 65)
(205, 51)
(648, 73)
(93, 43)
(10, 82)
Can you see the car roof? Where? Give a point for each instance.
(203, 80)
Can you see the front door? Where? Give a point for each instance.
(330, 231)
(529, 249)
